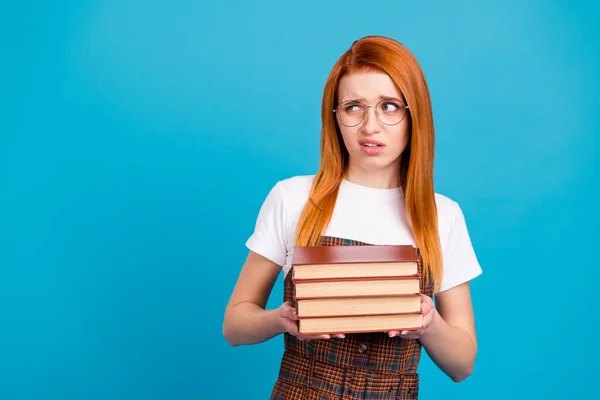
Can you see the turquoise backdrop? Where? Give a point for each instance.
(138, 140)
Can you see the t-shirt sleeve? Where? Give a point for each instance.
(269, 236)
(460, 263)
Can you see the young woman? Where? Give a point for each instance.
(374, 187)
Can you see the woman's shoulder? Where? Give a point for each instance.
(446, 206)
(459, 258)
(294, 190)
(296, 184)
(275, 224)
(288, 195)
(449, 213)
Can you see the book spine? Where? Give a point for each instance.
(346, 332)
(382, 314)
(346, 296)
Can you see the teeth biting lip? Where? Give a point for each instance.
(371, 143)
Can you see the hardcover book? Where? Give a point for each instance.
(351, 289)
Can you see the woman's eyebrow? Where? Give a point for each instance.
(362, 99)
(389, 98)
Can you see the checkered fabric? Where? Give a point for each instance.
(368, 366)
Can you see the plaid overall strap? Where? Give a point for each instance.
(360, 366)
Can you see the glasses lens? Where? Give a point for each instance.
(350, 114)
(390, 112)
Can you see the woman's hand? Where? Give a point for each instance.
(428, 309)
(289, 323)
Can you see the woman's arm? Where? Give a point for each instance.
(450, 339)
(246, 320)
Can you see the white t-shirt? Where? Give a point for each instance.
(374, 216)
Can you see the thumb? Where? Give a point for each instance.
(426, 304)
(288, 310)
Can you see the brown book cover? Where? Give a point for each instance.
(358, 278)
(331, 271)
(353, 254)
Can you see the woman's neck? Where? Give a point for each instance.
(388, 178)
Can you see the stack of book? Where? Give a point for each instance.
(356, 289)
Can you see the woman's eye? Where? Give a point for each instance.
(352, 108)
(390, 107)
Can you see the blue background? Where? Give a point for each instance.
(138, 140)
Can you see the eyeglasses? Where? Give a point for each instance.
(389, 112)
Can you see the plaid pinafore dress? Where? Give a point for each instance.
(360, 366)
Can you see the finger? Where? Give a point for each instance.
(313, 337)
(339, 336)
(426, 299)
(288, 311)
(429, 314)
(427, 311)
(290, 326)
(393, 333)
(429, 307)
(427, 302)
(414, 334)
(410, 337)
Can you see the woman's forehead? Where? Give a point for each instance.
(367, 86)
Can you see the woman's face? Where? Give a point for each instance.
(372, 145)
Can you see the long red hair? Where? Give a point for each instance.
(416, 171)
